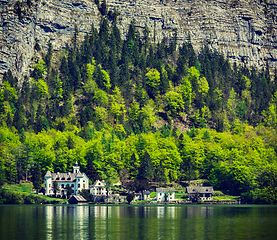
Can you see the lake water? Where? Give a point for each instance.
(138, 222)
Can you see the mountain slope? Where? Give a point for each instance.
(244, 30)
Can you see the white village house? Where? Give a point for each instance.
(98, 188)
(76, 180)
(165, 194)
(144, 195)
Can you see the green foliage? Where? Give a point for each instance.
(86, 194)
(174, 103)
(21, 193)
(48, 55)
(153, 195)
(186, 90)
(37, 177)
(117, 105)
(130, 197)
(146, 168)
(2, 175)
(39, 70)
(132, 109)
(153, 81)
(42, 89)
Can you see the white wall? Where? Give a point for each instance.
(161, 196)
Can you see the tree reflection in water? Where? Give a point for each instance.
(137, 222)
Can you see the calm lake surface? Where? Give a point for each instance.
(138, 222)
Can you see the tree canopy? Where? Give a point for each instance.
(153, 111)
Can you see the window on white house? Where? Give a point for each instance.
(78, 185)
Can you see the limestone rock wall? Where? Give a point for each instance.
(244, 30)
(44, 20)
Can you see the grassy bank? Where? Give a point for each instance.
(23, 194)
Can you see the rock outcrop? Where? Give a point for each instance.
(40, 22)
(244, 30)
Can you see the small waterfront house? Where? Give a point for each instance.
(75, 199)
(76, 180)
(165, 194)
(98, 188)
(204, 193)
(144, 195)
(115, 198)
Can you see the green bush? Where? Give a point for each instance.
(153, 195)
(29, 200)
(218, 193)
(10, 197)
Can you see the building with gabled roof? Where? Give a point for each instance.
(204, 193)
(75, 199)
(76, 180)
(98, 188)
(165, 194)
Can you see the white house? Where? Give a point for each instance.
(76, 180)
(144, 195)
(98, 188)
(165, 194)
(204, 193)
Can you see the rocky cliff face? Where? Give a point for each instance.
(40, 22)
(244, 30)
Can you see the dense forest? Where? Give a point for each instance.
(136, 109)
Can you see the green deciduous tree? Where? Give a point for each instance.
(174, 103)
(117, 105)
(39, 70)
(185, 89)
(153, 82)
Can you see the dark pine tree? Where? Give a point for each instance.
(146, 169)
(103, 8)
(48, 55)
(37, 176)
(19, 119)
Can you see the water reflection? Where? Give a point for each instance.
(137, 222)
(199, 212)
(62, 221)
